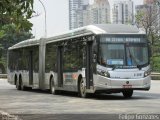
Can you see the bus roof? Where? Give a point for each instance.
(97, 29)
(25, 43)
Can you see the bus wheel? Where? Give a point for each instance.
(127, 93)
(22, 87)
(17, 85)
(82, 89)
(52, 87)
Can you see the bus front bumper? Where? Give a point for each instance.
(118, 85)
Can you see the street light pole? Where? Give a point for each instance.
(45, 18)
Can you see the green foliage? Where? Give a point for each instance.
(12, 36)
(155, 61)
(16, 12)
(2, 33)
(147, 18)
(14, 24)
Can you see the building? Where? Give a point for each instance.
(123, 12)
(148, 1)
(100, 12)
(79, 18)
(82, 14)
(74, 7)
(97, 13)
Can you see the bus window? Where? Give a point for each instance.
(137, 54)
(112, 54)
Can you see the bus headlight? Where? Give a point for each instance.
(147, 73)
(104, 73)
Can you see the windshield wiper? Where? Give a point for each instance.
(139, 67)
(114, 67)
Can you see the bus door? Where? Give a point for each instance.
(30, 67)
(89, 70)
(60, 66)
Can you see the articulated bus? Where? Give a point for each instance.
(102, 58)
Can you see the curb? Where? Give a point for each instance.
(6, 116)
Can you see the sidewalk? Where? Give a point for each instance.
(6, 116)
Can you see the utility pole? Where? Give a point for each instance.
(45, 24)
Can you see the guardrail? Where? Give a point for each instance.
(3, 75)
(155, 76)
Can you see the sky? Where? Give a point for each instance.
(57, 15)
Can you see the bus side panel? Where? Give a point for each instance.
(74, 60)
(50, 64)
(42, 49)
(30, 71)
(12, 66)
(18, 65)
(10, 77)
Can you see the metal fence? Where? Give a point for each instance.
(3, 75)
(155, 76)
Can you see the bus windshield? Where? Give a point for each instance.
(123, 53)
(137, 54)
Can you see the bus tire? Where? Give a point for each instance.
(82, 89)
(127, 93)
(22, 87)
(52, 87)
(17, 85)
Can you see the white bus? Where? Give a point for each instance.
(104, 58)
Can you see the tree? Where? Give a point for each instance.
(148, 19)
(16, 12)
(14, 24)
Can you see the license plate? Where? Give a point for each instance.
(127, 86)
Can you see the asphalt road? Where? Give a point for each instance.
(38, 103)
